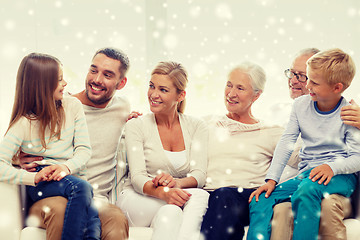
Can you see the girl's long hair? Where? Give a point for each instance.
(36, 81)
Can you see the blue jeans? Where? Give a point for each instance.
(305, 196)
(81, 219)
(227, 214)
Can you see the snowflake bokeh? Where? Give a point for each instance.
(208, 37)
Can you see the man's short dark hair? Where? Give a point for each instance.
(116, 54)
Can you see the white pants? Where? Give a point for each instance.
(167, 220)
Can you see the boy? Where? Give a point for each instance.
(330, 154)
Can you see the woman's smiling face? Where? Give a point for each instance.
(163, 96)
(239, 93)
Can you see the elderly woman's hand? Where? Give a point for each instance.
(165, 180)
(351, 114)
(268, 187)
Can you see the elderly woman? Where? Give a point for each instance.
(167, 155)
(240, 151)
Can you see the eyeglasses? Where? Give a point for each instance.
(300, 77)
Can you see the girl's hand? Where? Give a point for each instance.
(58, 172)
(165, 180)
(268, 187)
(176, 196)
(324, 172)
(39, 177)
(43, 175)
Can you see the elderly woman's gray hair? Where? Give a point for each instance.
(256, 74)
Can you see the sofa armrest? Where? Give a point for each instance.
(140, 233)
(355, 199)
(121, 170)
(352, 229)
(10, 212)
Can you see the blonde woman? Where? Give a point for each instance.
(167, 155)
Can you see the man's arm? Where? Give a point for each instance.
(351, 114)
(350, 162)
(27, 161)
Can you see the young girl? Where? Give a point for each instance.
(43, 123)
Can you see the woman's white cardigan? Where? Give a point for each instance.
(146, 156)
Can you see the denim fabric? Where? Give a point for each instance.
(227, 214)
(305, 196)
(81, 219)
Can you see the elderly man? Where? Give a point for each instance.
(334, 207)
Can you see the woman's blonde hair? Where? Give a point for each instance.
(178, 75)
(36, 81)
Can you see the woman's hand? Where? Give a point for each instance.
(166, 180)
(268, 187)
(351, 114)
(176, 196)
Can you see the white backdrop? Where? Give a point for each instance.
(207, 36)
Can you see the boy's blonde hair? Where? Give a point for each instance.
(334, 65)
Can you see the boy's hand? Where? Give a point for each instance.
(324, 172)
(268, 187)
(351, 114)
(57, 172)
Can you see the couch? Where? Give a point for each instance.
(13, 227)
